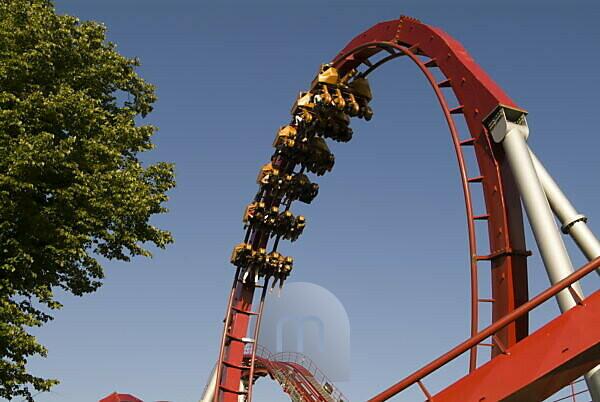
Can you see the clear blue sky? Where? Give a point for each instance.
(387, 233)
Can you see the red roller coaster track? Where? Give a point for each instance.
(298, 376)
(466, 91)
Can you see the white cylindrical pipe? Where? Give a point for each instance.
(242, 398)
(586, 240)
(552, 249)
(592, 379)
(573, 223)
(209, 391)
(561, 206)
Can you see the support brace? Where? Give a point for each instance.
(573, 223)
(509, 127)
(209, 392)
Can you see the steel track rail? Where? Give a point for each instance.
(478, 96)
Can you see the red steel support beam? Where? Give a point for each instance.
(539, 365)
(478, 96)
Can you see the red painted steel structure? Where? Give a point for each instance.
(116, 397)
(296, 383)
(533, 369)
(299, 377)
(541, 364)
(477, 97)
(521, 311)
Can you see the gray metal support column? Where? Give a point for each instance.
(512, 134)
(550, 244)
(573, 223)
(209, 391)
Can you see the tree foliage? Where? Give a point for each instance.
(72, 188)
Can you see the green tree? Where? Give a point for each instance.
(72, 188)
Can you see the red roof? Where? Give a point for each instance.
(114, 397)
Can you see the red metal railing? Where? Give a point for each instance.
(419, 375)
(311, 367)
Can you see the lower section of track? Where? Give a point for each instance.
(298, 376)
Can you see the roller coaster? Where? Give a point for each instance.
(531, 366)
